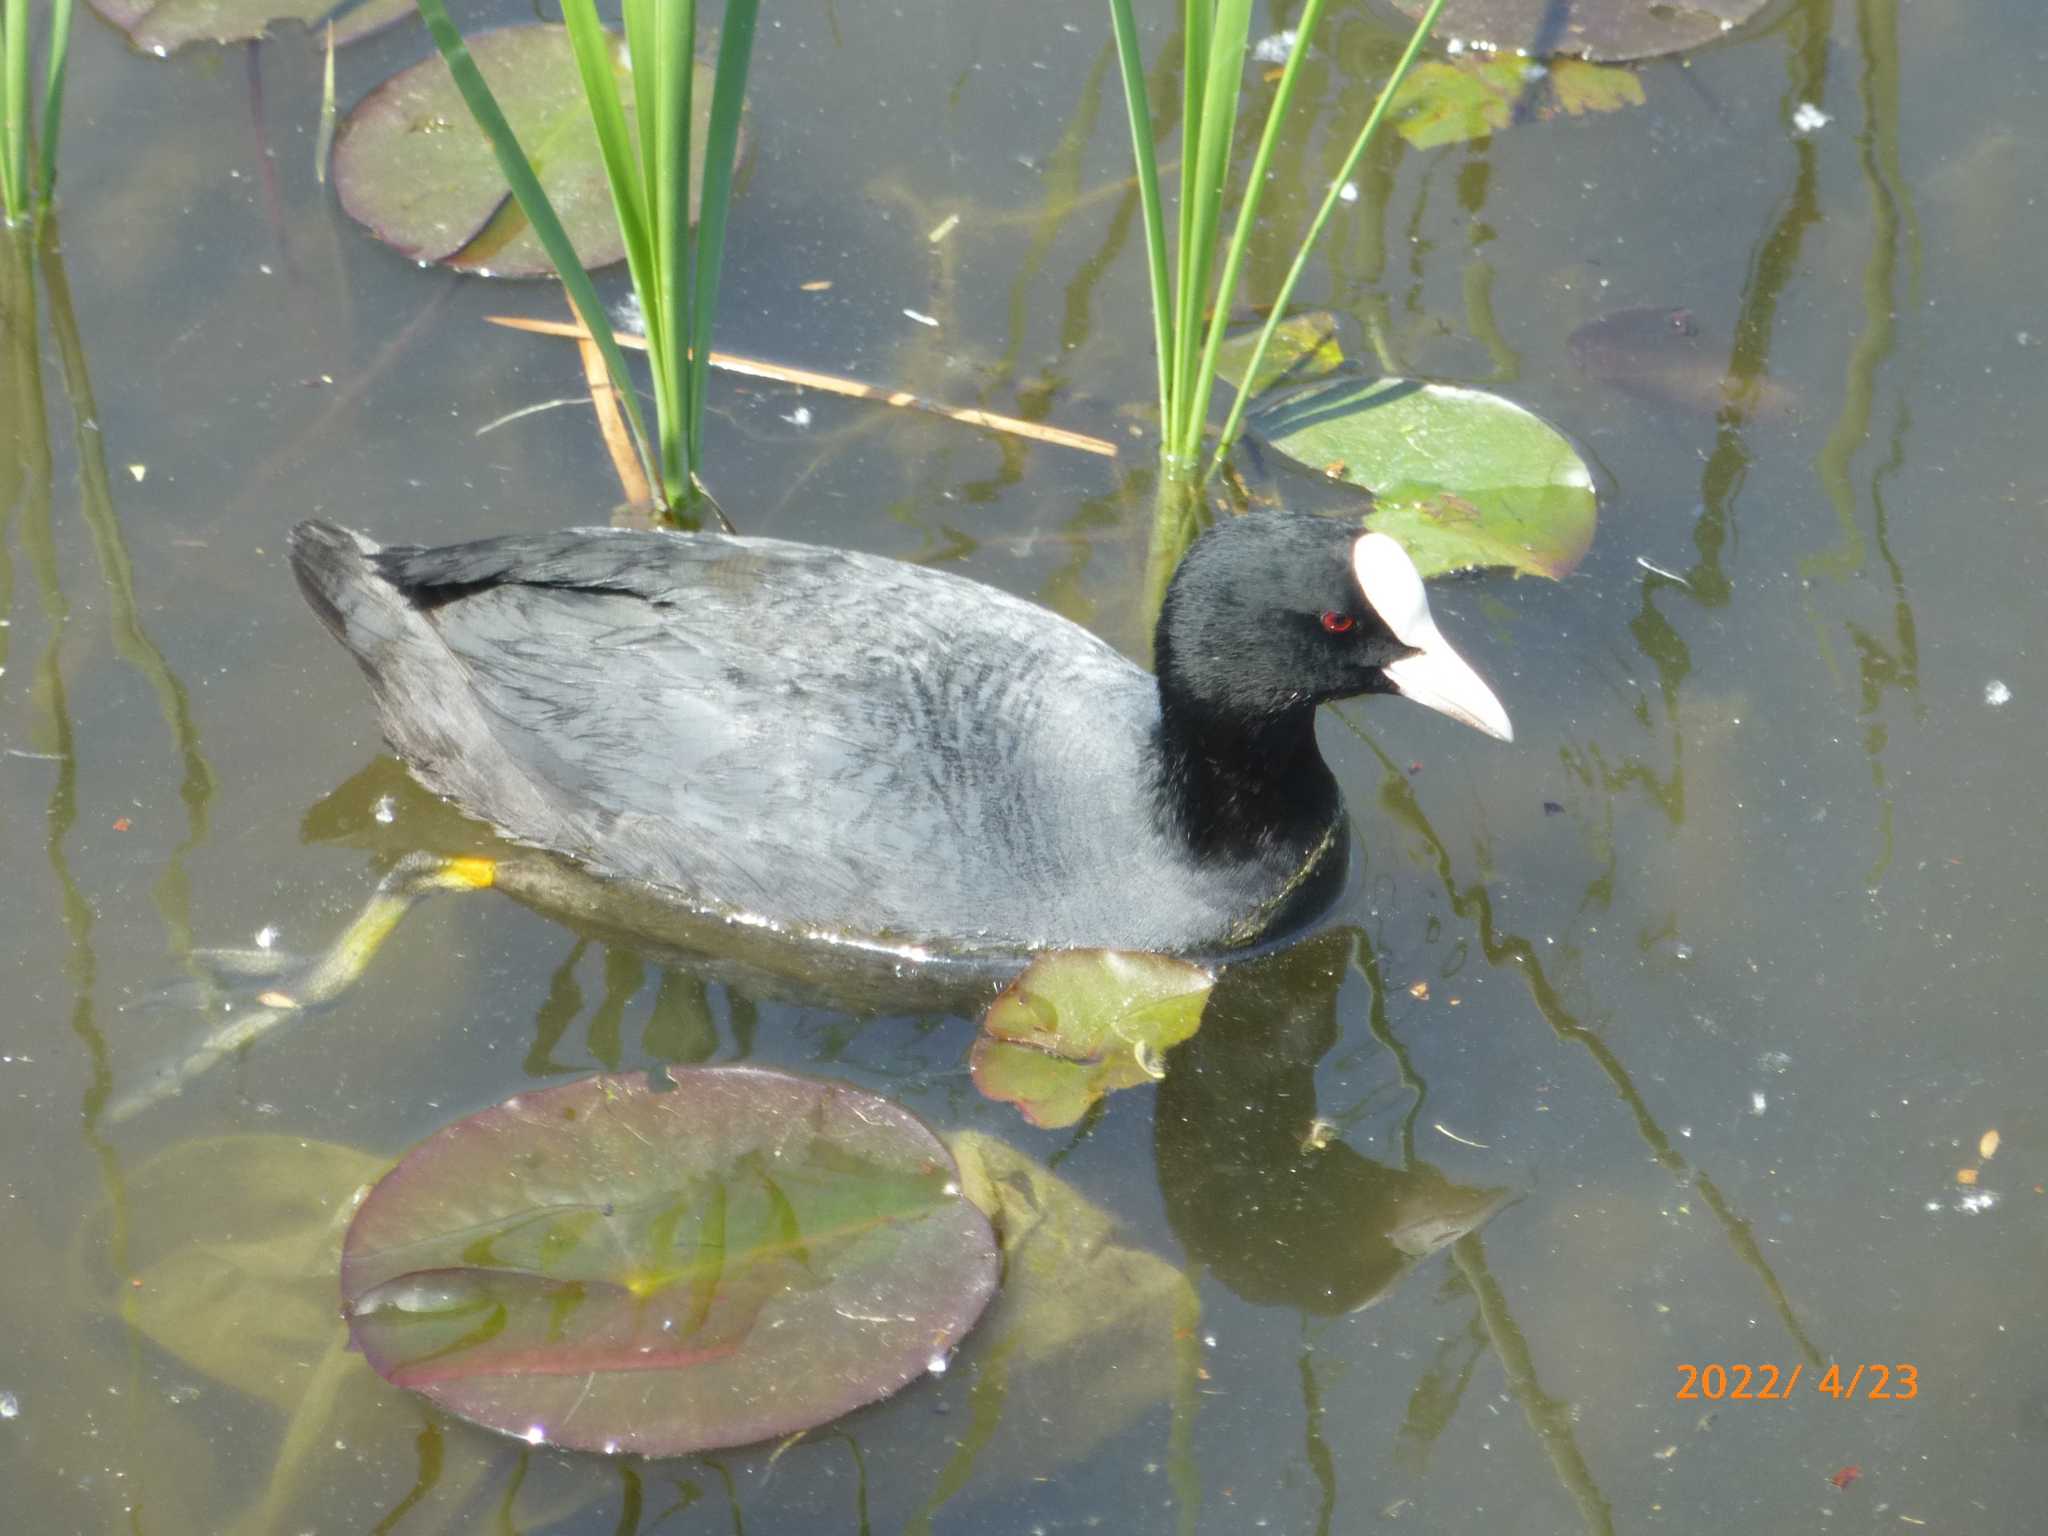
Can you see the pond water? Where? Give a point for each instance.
(1691, 1009)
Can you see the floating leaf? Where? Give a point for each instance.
(1445, 102)
(1303, 347)
(411, 164)
(1601, 30)
(1080, 1023)
(164, 26)
(234, 1242)
(614, 1265)
(1460, 477)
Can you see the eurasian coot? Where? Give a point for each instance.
(848, 747)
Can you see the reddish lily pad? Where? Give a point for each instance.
(1081, 1023)
(1604, 31)
(1460, 477)
(619, 1266)
(164, 26)
(411, 164)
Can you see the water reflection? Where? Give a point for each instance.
(1256, 1188)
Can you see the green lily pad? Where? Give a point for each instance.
(1460, 477)
(1445, 102)
(1303, 347)
(1604, 31)
(615, 1265)
(411, 164)
(163, 26)
(1081, 1023)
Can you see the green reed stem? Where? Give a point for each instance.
(59, 52)
(21, 191)
(14, 108)
(1131, 57)
(675, 274)
(721, 154)
(1235, 420)
(671, 74)
(540, 213)
(1214, 37)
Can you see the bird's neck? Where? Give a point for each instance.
(1233, 787)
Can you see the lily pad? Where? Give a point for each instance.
(1447, 101)
(1604, 31)
(1081, 1023)
(411, 164)
(164, 26)
(1303, 347)
(711, 1257)
(1460, 477)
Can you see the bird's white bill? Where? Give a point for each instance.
(1439, 678)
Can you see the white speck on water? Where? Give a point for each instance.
(1758, 1103)
(385, 810)
(267, 935)
(1275, 49)
(611, 1447)
(10, 1406)
(800, 417)
(1996, 694)
(1976, 1200)
(536, 1435)
(1348, 193)
(1808, 118)
(921, 319)
(936, 1365)
(1685, 1131)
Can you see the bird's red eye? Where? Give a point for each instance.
(1337, 623)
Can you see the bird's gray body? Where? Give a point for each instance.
(825, 741)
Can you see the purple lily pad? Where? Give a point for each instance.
(610, 1266)
(1603, 31)
(164, 26)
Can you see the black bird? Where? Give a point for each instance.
(849, 748)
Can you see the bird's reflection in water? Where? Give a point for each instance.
(1275, 1210)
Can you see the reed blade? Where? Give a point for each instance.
(721, 151)
(53, 96)
(533, 202)
(1222, 77)
(1235, 421)
(1131, 58)
(1203, 383)
(14, 108)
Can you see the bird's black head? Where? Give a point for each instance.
(1274, 613)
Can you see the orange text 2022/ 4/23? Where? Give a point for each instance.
(1768, 1383)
